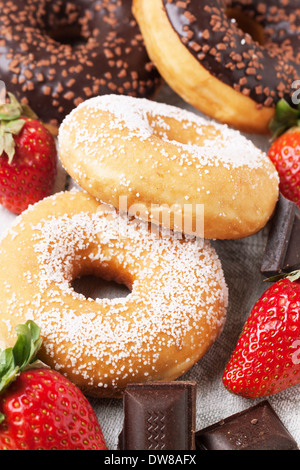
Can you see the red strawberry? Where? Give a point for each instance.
(285, 150)
(266, 358)
(39, 408)
(28, 158)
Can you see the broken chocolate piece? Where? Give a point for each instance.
(256, 428)
(282, 253)
(159, 416)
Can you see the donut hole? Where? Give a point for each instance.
(181, 131)
(68, 35)
(247, 24)
(94, 287)
(63, 21)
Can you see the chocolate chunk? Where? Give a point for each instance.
(159, 416)
(256, 428)
(282, 252)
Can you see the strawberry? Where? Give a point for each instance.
(284, 152)
(266, 358)
(28, 157)
(39, 408)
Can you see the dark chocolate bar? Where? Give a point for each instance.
(282, 252)
(256, 428)
(159, 416)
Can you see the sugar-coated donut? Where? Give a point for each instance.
(53, 55)
(169, 166)
(175, 311)
(204, 51)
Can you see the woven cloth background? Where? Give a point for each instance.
(241, 260)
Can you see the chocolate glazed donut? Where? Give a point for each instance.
(231, 59)
(54, 55)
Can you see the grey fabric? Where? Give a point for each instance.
(241, 260)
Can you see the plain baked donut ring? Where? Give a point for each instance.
(200, 49)
(169, 166)
(53, 55)
(175, 311)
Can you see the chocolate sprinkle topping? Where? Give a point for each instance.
(266, 71)
(54, 55)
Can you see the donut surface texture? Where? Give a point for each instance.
(204, 54)
(166, 165)
(174, 312)
(53, 55)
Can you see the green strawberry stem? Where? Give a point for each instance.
(285, 118)
(16, 359)
(10, 110)
(11, 123)
(292, 276)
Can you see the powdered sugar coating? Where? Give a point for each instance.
(178, 295)
(159, 156)
(224, 146)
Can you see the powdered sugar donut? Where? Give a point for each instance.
(174, 312)
(168, 165)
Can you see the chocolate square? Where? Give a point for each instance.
(256, 428)
(159, 416)
(282, 252)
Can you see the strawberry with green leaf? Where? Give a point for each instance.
(39, 408)
(266, 359)
(28, 157)
(284, 151)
